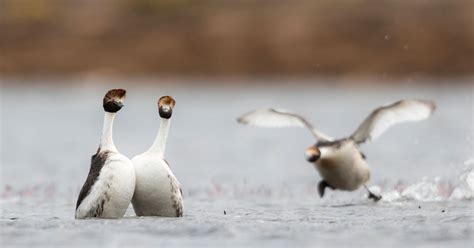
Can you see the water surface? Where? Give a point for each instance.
(257, 176)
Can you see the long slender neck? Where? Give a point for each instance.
(106, 140)
(158, 147)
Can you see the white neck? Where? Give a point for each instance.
(106, 140)
(158, 147)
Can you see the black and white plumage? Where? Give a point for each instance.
(110, 184)
(340, 162)
(157, 191)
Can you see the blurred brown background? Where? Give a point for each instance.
(386, 38)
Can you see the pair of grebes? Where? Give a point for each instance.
(146, 181)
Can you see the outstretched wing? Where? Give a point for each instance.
(384, 117)
(269, 117)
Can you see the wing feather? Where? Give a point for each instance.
(271, 117)
(384, 117)
(97, 162)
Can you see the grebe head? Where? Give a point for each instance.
(312, 154)
(113, 100)
(165, 106)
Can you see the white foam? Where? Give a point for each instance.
(469, 162)
(426, 190)
(429, 190)
(465, 189)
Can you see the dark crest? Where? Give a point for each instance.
(165, 106)
(113, 100)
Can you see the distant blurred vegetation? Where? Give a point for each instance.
(238, 37)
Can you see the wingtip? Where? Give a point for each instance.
(241, 120)
(431, 105)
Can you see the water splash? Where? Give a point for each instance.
(465, 189)
(426, 190)
(435, 189)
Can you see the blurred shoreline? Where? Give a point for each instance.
(239, 38)
(203, 81)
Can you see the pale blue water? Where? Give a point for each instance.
(258, 176)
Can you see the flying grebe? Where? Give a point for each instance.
(340, 162)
